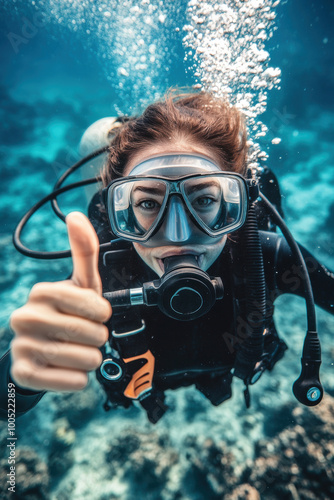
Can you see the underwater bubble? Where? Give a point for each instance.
(118, 35)
(226, 41)
(122, 71)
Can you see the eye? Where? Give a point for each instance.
(148, 205)
(203, 201)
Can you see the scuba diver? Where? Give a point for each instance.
(175, 271)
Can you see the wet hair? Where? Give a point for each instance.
(198, 118)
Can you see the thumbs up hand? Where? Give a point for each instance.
(60, 328)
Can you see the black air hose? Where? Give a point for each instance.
(250, 340)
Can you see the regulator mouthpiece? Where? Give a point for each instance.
(185, 292)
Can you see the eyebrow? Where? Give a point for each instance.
(150, 190)
(203, 185)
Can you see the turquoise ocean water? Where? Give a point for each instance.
(65, 65)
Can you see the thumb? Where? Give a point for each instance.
(84, 245)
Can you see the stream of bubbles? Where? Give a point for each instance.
(136, 43)
(226, 43)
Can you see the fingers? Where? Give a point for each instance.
(52, 350)
(84, 245)
(57, 354)
(27, 376)
(50, 324)
(68, 298)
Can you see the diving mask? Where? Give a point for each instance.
(176, 199)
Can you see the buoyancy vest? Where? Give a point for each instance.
(154, 352)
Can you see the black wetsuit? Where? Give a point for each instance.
(200, 352)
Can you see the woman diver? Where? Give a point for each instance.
(194, 241)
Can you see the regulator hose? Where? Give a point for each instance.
(250, 346)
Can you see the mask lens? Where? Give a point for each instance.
(136, 206)
(215, 201)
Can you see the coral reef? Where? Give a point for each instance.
(210, 468)
(31, 477)
(79, 407)
(144, 461)
(298, 462)
(61, 453)
(294, 465)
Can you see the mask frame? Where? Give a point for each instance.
(175, 187)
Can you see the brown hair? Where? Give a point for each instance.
(198, 118)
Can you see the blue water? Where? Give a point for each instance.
(58, 81)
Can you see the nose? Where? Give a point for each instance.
(177, 226)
